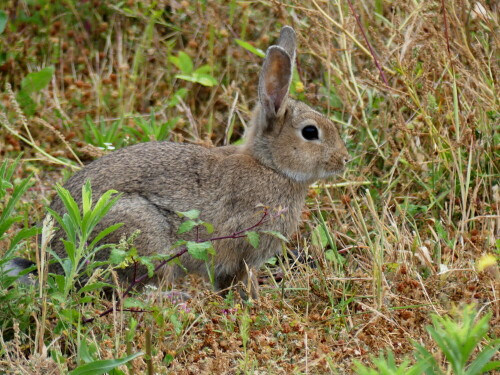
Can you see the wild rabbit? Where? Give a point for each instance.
(288, 147)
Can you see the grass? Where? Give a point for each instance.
(408, 233)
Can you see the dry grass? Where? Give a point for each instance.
(395, 238)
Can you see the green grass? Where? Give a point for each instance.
(403, 239)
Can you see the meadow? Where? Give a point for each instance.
(394, 269)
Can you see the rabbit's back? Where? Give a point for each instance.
(181, 177)
(149, 168)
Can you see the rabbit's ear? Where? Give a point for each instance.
(274, 82)
(287, 41)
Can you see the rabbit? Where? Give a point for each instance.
(288, 146)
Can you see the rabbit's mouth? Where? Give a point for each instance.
(304, 177)
(328, 174)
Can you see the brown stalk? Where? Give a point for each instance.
(372, 52)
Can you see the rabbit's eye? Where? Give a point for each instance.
(310, 133)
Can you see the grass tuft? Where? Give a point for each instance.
(407, 235)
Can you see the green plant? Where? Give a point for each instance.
(3, 20)
(457, 340)
(426, 148)
(113, 135)
(388, 366)
(15, 303)
(103, 366)
(250, 48)
(33, 83)
(200, 75)
(202, 250)
(78, 225)
(8, 204)
(147, 129)
(103, 134)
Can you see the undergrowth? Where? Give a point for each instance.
(408, 235)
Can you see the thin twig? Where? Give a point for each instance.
(61, 137)
(372, 52)
(445, 20)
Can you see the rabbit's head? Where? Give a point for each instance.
(287, 135)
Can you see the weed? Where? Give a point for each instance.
(80, 244)
(16, 305)
(457, 340)
(410, 230)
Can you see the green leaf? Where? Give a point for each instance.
(70, 228)
(331, 255)
(319, 237)
(253, 238)
(58, 285)
(482, 362)
(205, 79)
(326, 232)
(148, 262)
(204, 69)
(184, 63)
(4, 185)
(275, 234)
(69, 315)
(95, 286)
(129, 303)
(86, 352)
(69, 247)
(441, 341)
(19, 190)
(104, 233)
(177, 262)
(3, 21)
(168, 359)
(102, 366)
(272, 261)
(250, 48)
(23, 234)
(177, 244)
(209, 227)
(71, 207)
(36, 81)
(7, 171)
(191, 214)
(443, 233)
(202, 79)
(177, 96)
(493, 365)
(199, 250)
(101, 208)
(27, 104)
(132, 329)
(5, 224)
(117, 256)
(174, 60)
(176, 323)
(86, 197)
(186, 226)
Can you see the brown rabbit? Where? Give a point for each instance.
(289, 146)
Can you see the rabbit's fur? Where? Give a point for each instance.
(274, 168)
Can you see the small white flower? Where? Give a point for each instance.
(109, 146)
(443, 268)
